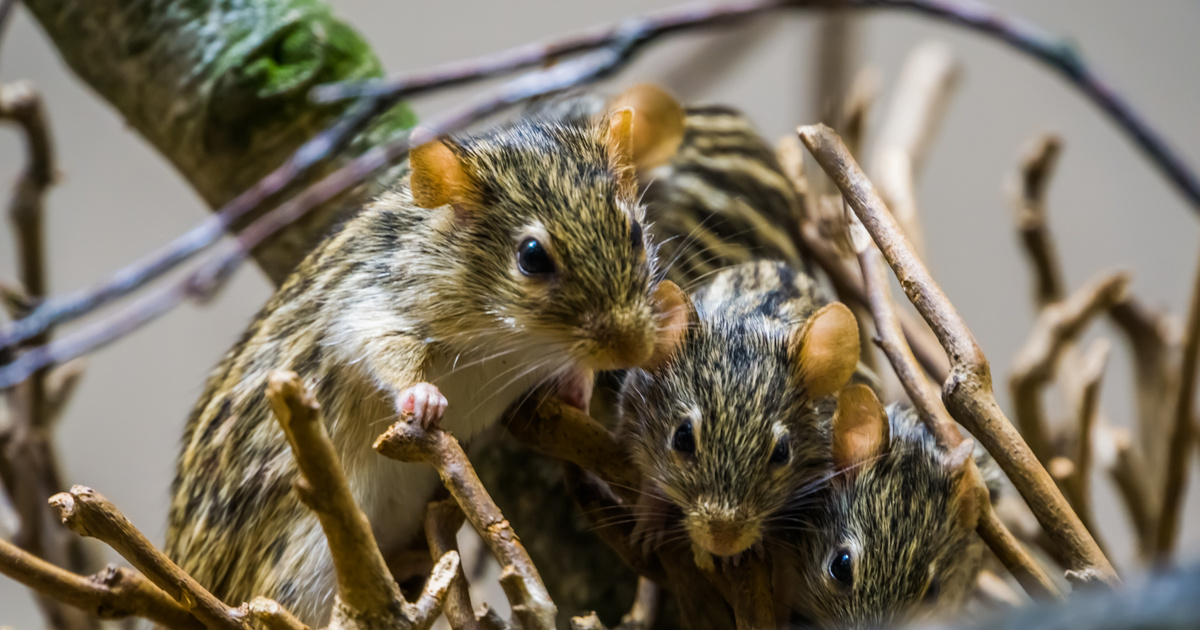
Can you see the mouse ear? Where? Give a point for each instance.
(860, 429)
(618, 137)
(439, 177)
(675, 312)
(970, 493)
(657, 124)
(824, 351)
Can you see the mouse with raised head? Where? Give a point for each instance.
(506, 260)
(728, 429)
(892, 537)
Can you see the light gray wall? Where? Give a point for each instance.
(118, 199)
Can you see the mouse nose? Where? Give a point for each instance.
(619, 341)
(724, 534)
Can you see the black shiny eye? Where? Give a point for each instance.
(533, 259)
(684, 440)
(636, 235)
(780, 455)
(841, 568)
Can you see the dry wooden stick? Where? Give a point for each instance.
(408, 442)
(115, 593)
(644, 611)
(1128, 473)
(1078, 485)
(367, 593)
(753, 599)
(1057, 326)
(557, 429)
(1031, 181)
(1179, 450)
(968, 392)
(87, 513)
(442, 522)
(933, 414)
(927, 80)
(272, 616)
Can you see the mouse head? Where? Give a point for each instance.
(726, 425)
(893, 539)
(542, 218)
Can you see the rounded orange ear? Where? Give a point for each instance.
(619, 139)
(658, 121)
(860, 429)
(675, 313)
(439, 177)
(824, 351)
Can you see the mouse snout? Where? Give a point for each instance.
(618, 340)
(723, 532)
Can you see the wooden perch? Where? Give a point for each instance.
(408, 442)
(1057, 326)
(367, 594)
(115, 593)
(272, 616)
(968, 392)
(88, 513)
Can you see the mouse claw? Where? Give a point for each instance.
(424, 404)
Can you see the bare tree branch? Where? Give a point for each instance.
(87, 513)
(1078, 486)
(115, 593)
(272, 616)
(1032, 179)
(968, 392)
(442, 522)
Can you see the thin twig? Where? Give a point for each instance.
(407, 441)
(1128, 473)
(210, 274)
(1078, 486)
(644, 611)
(115, 593)
(1031, 180)
(968, 392)
(1057, 326)
(367, 594)
(918, 104)
(1179, 450)
(442, 522)
(87, 513)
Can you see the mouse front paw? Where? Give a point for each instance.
(422, 403)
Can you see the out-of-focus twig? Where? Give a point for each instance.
(1180, 448)
(1058, 325)
(917, 107)
(1031, 180)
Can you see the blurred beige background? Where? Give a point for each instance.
(118, 199)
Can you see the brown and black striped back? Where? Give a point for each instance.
(721, 201)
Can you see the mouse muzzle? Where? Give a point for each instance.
(723, 533)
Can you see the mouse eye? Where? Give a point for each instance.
(635, 231)
(782, 451)
(684, 439)
(841, 568)
(532, 258)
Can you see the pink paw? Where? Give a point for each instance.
(423, 404)
(575, 388)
